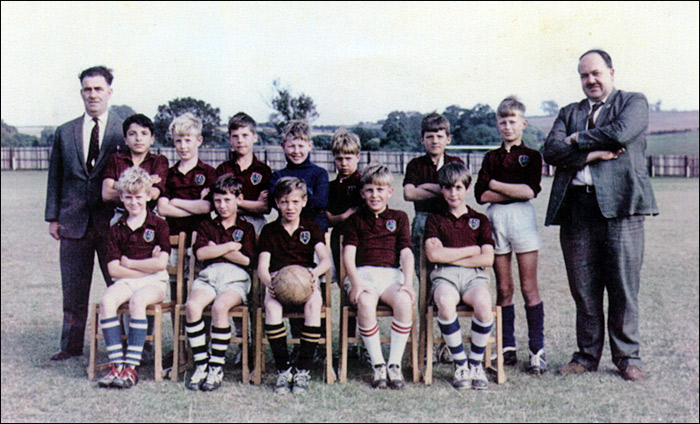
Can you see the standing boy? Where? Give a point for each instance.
(139, 136)
(292, 240)
(226, 245)
(139, 245)
(509, 177)
(459, 242)
(379, 264)
(254, 174)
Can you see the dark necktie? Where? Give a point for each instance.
(591, 116)
(94, 149)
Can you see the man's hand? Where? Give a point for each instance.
(571, 139)
(53, 229)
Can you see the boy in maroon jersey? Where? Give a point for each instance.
(139, 136)
(226, 245)
(292, 240)
(379, 262)
(459, 241)
(509, 177)
(138, 250)
(254, 174)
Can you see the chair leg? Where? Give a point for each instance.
(343, 372)
(421, 344)
(414, 350)
(258, 354)
(330, 372)
(429, 346)
(500, 372)
(158, 343)
(244, 347)
(176, 345)
(92, 362)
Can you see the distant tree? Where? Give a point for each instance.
(123, 111)
(208, 114)
(550, 107)
(476, 126)
(47, 135)
(655, 107)
(402, 131)
(366, 136)
(13, 138)
(322, 142)
(288, 107)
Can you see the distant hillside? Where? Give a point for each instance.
(659, 122)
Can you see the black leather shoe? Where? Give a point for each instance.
(62, 355)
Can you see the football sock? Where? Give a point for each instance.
(452, 333)
(309, 340)
(508, 326)
(400, 331)
(198, 341)
(277, 336)
(535, 326)
(136, 339)
(220, 338)
(481, 331)
(370, 337)
(112, 332)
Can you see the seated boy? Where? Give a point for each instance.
(459, 242)
(377, 241)
(138, 250)
(297, 144)
(509, 177)
(254, 175)
(292, 240)
(226, 245)
(139, 136)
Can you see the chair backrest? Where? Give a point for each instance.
(423, 282)
(178, 270)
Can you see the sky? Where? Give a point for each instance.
(357, 61)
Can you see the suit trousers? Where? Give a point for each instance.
(601, 255)
(77, 258)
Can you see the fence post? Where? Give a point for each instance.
(687, 167)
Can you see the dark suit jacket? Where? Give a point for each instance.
(72, 195)
(622, 185)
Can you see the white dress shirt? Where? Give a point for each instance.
(88, 124)
(584, 177)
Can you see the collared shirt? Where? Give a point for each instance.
(379, 239)
(521, 165)
(152, 163)
(241, 232)
(422, 170)
(189, 187)
(584, 177)
(138, 243)
(88, 125)
(295, 249)
(470, 229)
(344, 194)
(255, 179)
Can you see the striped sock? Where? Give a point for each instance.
(480, 336)
(137, 337)
(535, 326)
(452, 333)
(370, 337)
(277, 336)
(198, 341)
(399, 336)
(112, 332)
(220, 338)
(309, 340)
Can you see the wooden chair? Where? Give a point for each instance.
(156, 310)
(428, 338)
(347, 310)
(179, 344)
(258, 293)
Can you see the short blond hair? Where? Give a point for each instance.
(345, 142)
(510, 106)
(377, 174)
(296, 128)
(186, 124)
(134, 180)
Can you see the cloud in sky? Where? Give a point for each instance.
(358, 61)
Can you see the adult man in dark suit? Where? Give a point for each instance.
(75, 211)
(600, 194)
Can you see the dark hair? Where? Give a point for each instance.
(606, 57)
(138, 119)
(286, 185)
(434, 122)
(452, 173)
(227, 183)
(241, 119)
(97, 71)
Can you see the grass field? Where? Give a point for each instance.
(36, 389)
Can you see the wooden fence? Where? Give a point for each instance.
(37, 158)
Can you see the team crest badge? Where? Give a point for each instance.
(149, 235)
(255, 178)
(238, 235)
(305, 236)
(391, 225)
(523, 160)
(474, 223)
(199, 179)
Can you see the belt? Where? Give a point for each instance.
(581, 189)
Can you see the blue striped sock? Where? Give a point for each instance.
(481, 331)
(112, 332)
(137, 337)
(452, 333)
